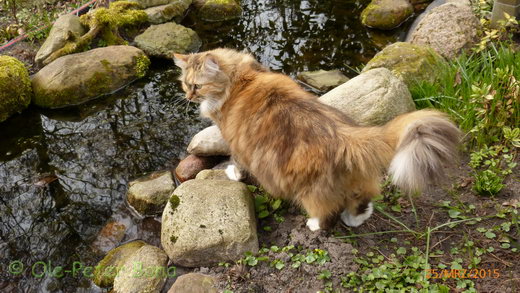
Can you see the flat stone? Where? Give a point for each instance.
(190, 166)
(163, 13)
(323, 80)
(212, 175)
(194, 283)
(148, 195)
(209, 142)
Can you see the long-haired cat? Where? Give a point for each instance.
(303, 150)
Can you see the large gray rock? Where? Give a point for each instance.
(209, 221)
(218, 10)
(77, 78)
(107, 269)
(148, 195)
(163, 13)
(209, 142)
(408, 62)
(386, 14)
(144, 271)
(371, 98)
(323, 80)
(15, 87)
(194, 283)
(448, 29)
(165, 39)
(66, 28)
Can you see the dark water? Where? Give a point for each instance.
(64, 173)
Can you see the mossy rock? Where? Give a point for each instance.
(107, 269)
(77, 78)
(163, 13)
(386, 14)
(15, 87)
(218, 10)
(148, 195)
(409, 62)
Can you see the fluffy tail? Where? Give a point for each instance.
(424, 141)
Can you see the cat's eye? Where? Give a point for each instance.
(198, 86)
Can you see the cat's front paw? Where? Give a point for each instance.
(233, 173)
(313, 224)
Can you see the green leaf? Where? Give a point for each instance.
(263, 214)
(279, 265)
(490, 234)
(276, 204)
(252, 188)
(401, 250)
(453, 214)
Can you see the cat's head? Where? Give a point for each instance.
(203, 77)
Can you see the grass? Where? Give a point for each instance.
(480, 91)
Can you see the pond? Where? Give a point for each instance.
(64, 173)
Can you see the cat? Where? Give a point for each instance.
(300, 149)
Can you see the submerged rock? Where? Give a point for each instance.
(66, 28)
(148, 195)
(173, 10)
(190, 166)
(372, 98)
(209, 142)
(165, 39)
(323, 80)
(77, 78)
(386, 14)
(111, 234)
(107, 269)
(144, 271)
(218, 10)
(194, 283)
(448, 29)
(408, 62)
(209, 221)
(15, 87)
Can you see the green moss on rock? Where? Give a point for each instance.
(174, 201)
(386, 14)
(15, 87)
(142, 63)
(107, 269)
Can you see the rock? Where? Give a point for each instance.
(66, 28)
(212, 175)
(209, 142)
(218, 10)
(15, 87)
(148, 195)
(194, 283)
(448, 29)
(109, 236)
(372, 98)
(77, 78)
(107, 269)
(190, 166)
(165, 39)
(151, 3)
(408, 62)
(323, 80)
(386, 14)
(163, 13)
(144, 271)
(209, 221)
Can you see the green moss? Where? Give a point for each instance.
(220, 10)
(173, 239)
(141, 65)
(174, 201)
(15, 87)
(381, 17)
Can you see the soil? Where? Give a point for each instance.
(292, 231)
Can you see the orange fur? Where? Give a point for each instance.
(299, 148)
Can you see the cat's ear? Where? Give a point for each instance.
(180, 60)
(211, 65)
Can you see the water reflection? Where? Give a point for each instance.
(64, 173)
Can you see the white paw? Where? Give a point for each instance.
(233, 173)
(313, 224)
(355, 221)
